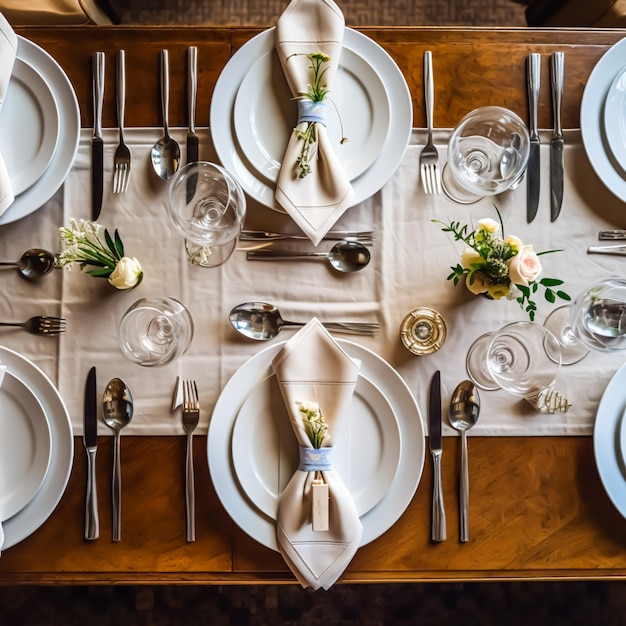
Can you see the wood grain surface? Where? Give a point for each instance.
(537, 506)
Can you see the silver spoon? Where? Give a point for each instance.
(262, 321)
(463, 414)
(166, 151)
(34, 263)
(117, 411)
(345, 256)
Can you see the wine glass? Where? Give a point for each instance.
(487, 154)
(515, 358)
(595, 320)
(155, 331)
(207, 206)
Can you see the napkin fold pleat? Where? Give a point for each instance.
(8, 53)
(311, 367)
(317, 200)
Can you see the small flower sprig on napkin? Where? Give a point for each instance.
(501, 268)
(90, 244)
(314, 422)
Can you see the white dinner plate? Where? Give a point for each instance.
(69, 115)
(265, 450)
(615, 118)
(29, 126)
(24, 446)
(257, 186)
(606, 440)
(265, 114)
(37, 511)
(592, 119)
(381, 517)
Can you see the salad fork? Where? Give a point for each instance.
(41, 325)
(429, 157)
(191, 415)
(121, 159)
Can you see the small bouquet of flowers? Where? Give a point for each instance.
(90, 244)
(314, 423)
(501, 267)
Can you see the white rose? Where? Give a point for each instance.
(488, 225)
(524, 267)
(477, 283)
(127, 273)
(471, 257)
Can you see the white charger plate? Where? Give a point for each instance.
(265, 450)
(607, 435)
(49, 182)
(29, 126)
(375, 522)
(37, 511)
(24, 446)
(256, 186)
(615, 118)
(265, 114)
(592, 119)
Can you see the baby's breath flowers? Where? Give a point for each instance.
(91, 246)
(500, 268)
(314, 422)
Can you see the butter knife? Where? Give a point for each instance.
(97, 144)
(436, 449)
(90, 440)
(192, 137)
(533, 68)
(618, 250)
(556, 145)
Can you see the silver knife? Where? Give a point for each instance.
(90, 440)
(556, 145)
(618, 250)
(192, 137)
(615, 234)
(97, 144)
(533, 68)
(436, 450)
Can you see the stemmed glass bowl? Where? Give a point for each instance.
(595, 320)
(487, 154)
(207, 206)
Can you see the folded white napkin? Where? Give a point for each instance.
(317, 200)
(312, 368)
(2, 371)
(8, 52)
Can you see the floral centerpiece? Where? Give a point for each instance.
(91, 246)
(501, 267)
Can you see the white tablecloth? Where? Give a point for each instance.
(410, 262)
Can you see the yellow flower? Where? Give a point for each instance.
(515, 243)
(471, 257)
(498, 291)
(488, 225)
(477, 282)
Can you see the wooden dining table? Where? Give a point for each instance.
(538, 509)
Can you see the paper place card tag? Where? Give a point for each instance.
(320, 498)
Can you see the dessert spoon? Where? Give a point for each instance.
(34, 263)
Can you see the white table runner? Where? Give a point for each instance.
(410, 262)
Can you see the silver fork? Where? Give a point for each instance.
(429, 157)
(41, 325)
(121, 159)
(191, 415)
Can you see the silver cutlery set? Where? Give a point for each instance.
(463, 415)
(117, 412)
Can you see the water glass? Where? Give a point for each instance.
(207, 206)
(155, 331)
(487, 154)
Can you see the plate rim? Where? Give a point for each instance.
(378, 520)
(53, 116)
(396, 444)
(242, 112)
(46, 440)
(366, 185)
(51, 180)
(39, 509)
